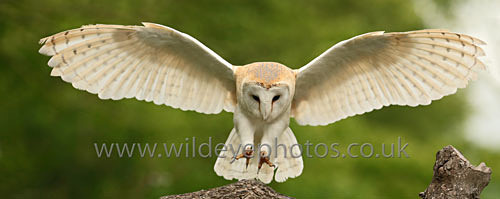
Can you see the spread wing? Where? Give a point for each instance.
(378, 69)
(150, 62)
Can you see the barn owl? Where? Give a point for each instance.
(158, 64)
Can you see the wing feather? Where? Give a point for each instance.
(378, 69)
(150, 62)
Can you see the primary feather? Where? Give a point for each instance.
(151, 62)
(378, 69)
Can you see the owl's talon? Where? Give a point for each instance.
(264, 159)
(247, 154)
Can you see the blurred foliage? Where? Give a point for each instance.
(49, 128)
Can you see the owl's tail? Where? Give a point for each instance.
(289, 163)
(288, 160)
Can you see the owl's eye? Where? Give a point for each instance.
(276, 98)
(256, 98)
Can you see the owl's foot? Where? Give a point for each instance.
(264, 159)
(247, 154)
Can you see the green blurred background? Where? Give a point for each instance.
(49, 128)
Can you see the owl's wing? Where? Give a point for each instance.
(151, 62)
(378, 69)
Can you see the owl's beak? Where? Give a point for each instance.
(265, 110)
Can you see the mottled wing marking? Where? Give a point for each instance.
(151, 62)
(378, 69)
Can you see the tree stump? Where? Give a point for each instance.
(455, 177)
(240, 189)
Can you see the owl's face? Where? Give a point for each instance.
(266, 103)
(265, 89)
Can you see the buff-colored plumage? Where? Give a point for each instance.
(159, 64)
(150, 62)
(379, 69)
(267, 73)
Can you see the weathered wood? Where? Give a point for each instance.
(455, 177)
(240, 189)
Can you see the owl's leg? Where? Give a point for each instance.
(269, 139)
(245, 130)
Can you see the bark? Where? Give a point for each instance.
(455, 177)
(240, 189)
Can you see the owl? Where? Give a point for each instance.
(158, 64)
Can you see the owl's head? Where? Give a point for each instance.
(265, 89)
